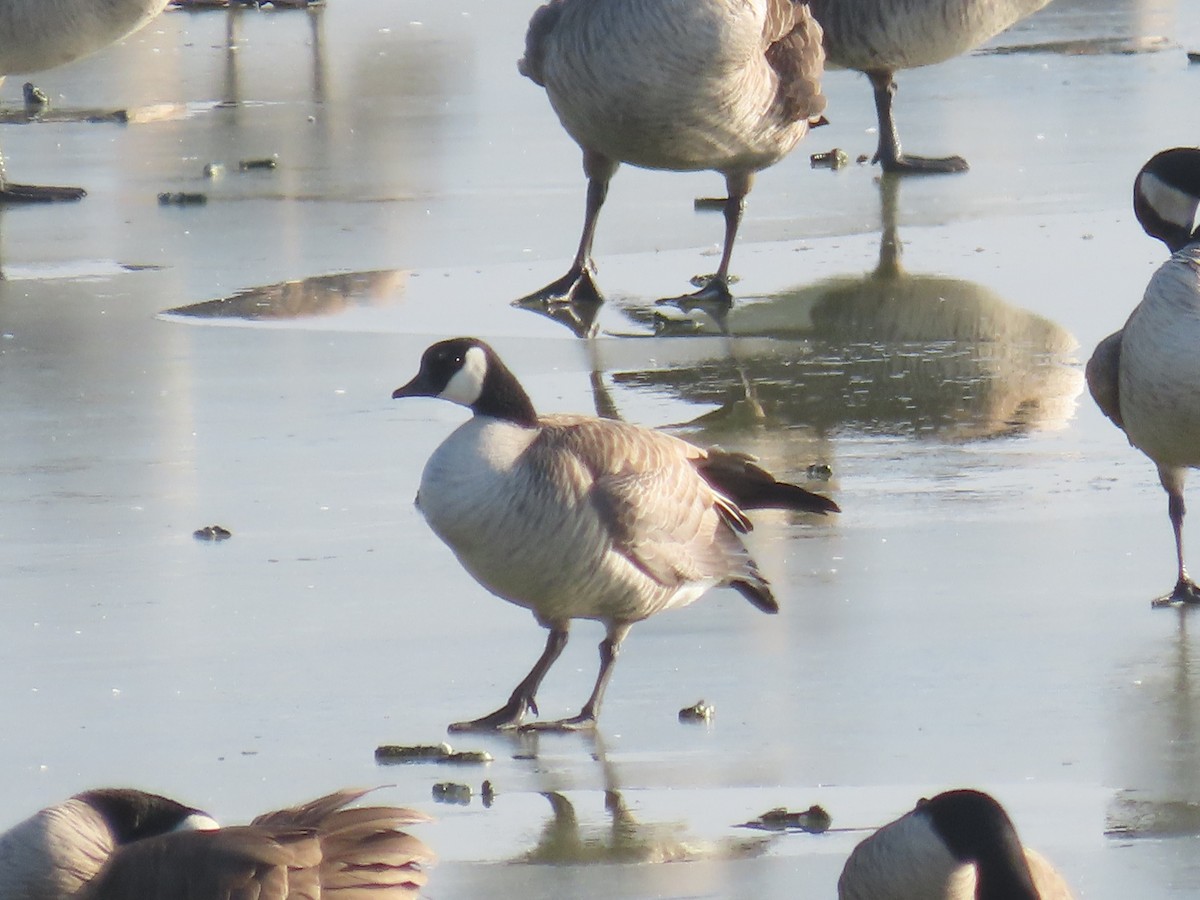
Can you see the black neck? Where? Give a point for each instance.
(503, 397)
(977, 830)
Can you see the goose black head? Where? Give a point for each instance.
(468, 372)
(133, 815)
(1166, 196)
(976, 829)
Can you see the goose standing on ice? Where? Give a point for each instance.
(960, 845)
(121, 844)
(40, 34)
(574, 517)
(1146, 377)
(880, 37)
(682, 85)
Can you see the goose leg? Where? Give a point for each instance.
(1186, 590)
(889, 155)
(610, 648)
(715, 294)
(32, 193)
(523, 697)
(579, 284)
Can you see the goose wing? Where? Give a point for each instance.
(364, 854)
(239, 863)
(792, 40)
(541, 25)
(656, 509)
(1103, 377)
(305, 852)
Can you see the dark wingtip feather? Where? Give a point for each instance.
(758, 593)
(752, 487)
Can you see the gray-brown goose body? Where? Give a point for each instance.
(681, 85)
(40, 34)
(574, 517)
(1146, 377)
(959, 845)
(881, 37)
(123, 844)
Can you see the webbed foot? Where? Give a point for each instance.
(577, 286)
(713, 298)
(506, 718)
(1185, 591)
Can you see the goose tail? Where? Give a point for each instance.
(750, 486)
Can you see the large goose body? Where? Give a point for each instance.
(676, 84)
(905, 34)
(1146, 377)
(496, 492)
(40, 34)
(575, 517)
(683, 85)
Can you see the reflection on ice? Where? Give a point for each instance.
(564, 839)
(888, 352)
(1159, 736)
(323, 295)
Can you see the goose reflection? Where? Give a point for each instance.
(1158, 733)
(321, 295)
(888, 352)
(621, 837)
(232, 87)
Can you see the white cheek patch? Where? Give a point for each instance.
(198, 822)
(1172, 205)
(467, 383)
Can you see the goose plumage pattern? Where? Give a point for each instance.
(575, 517)
(124, 844)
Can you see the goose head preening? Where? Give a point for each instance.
(1166, 197)
(125, 844)
(959, 845)
(1146, 377)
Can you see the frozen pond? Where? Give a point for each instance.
(979, 615)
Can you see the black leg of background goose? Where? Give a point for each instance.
(610, 647)
(889, 155)
(579, 284)
(1186, 590)
(523, 698)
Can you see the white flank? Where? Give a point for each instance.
(467, 383)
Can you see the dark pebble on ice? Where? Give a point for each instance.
(212, 533)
